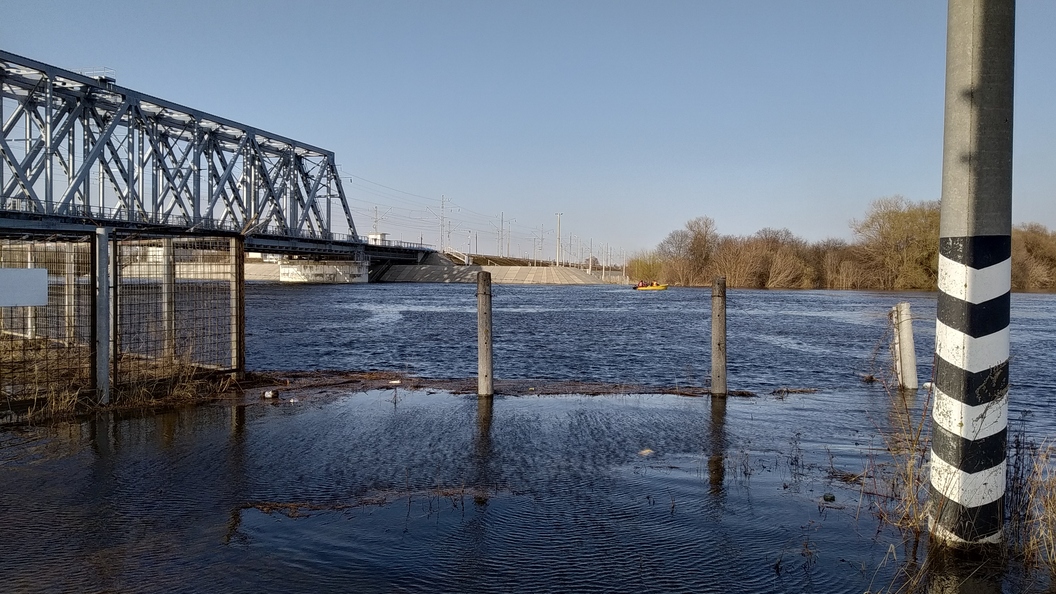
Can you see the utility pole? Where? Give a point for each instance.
(969, 430)
(509, 236)
(557, 257)
(440, 240)
(590, 257)
(498, 247)
(542, 236)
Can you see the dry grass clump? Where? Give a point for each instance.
(42, 380)
(899, 485)
(1031, 504)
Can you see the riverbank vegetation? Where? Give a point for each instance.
(895, 247)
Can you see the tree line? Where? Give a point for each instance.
(895, 247)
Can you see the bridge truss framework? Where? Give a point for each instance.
(83, 149)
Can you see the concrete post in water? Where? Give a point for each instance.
(970, 411)
(902, 349)
(485, 386)
(718, 337)
(101, 315)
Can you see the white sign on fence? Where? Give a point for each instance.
(23, 286)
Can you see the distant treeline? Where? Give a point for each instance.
(896, 247)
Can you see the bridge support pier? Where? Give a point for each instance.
(323, 272)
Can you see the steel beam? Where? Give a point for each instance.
(157, 162)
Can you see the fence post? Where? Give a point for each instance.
(101, 314)
(718, 336)
(485, 386)
(69, 294)
(238, 307)
(31, 311)
(903, 351)
(970, 410)
(168, 300)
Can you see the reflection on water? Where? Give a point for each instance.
(717, 458)
(482, 452)
(432, 492)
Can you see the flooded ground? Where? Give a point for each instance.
(333, 488)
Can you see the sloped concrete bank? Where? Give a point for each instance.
(508, 275)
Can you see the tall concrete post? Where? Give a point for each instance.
(485, 381)
(168, 299)
(101, 323)
(718, 337)
(69, 293)
(970, 411)
(237, 247)
(902, 348)
(31, 311)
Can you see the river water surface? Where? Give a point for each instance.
(403, 491)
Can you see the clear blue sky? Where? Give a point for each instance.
(628, 117)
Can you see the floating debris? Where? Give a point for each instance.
(786, 391)
(270, 394)
(646, 452)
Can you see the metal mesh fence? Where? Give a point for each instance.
(177, 307)
(175, 313)
(44, 350)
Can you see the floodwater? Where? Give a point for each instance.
(400, 491)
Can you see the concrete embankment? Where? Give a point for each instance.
(262, 271)
(507, 275)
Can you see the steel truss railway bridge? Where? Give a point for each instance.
(78, 151)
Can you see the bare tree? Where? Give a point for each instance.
(677, 258)
(741, 260)
(898, 244)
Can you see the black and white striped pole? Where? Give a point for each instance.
(970, 411)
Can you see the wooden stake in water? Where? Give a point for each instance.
(718, 337)
(902, 348)
(485, 385)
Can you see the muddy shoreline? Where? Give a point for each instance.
(309, 382)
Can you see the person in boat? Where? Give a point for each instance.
(641, 283)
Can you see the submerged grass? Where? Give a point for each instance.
(897, 482)
(42, 381)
